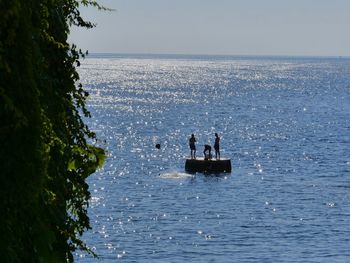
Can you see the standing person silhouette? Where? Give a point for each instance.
(192, 144)
(217, 146)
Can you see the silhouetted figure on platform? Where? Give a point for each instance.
(192, 144)
(207, 148)
(217, 146)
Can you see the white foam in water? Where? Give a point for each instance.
(175, 175)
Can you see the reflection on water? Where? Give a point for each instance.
(284, 122)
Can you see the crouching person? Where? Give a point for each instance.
(207, 152)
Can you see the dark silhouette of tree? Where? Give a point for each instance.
(45, 156)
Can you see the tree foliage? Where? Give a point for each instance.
(45, 156)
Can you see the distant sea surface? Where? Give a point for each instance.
(283, 121)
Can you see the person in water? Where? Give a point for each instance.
(192, 144)
(207, 148)
(217, 146)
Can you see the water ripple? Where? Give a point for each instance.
(284, 123)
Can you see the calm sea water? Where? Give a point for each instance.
(285, 124)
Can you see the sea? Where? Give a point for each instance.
(283, 121)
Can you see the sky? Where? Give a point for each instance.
(218, 27)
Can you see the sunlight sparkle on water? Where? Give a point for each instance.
(283, 122)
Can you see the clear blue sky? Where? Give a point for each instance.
(231, 27)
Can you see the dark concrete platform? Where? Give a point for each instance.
(202, 165)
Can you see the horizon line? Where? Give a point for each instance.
(216, 55)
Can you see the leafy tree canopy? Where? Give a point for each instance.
(45, 153)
